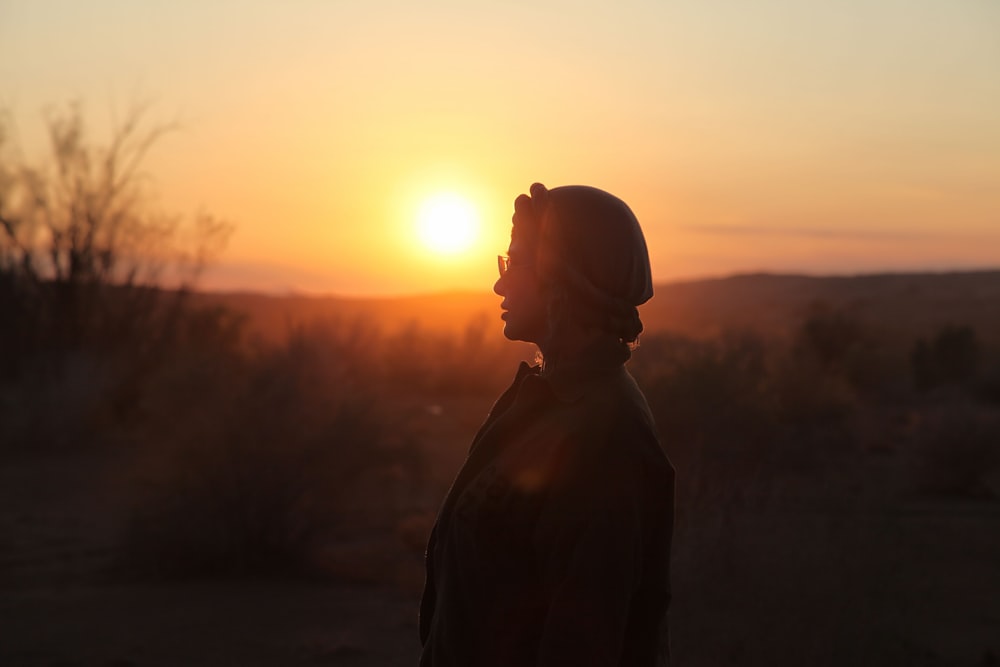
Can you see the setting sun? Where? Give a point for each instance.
(447, 223)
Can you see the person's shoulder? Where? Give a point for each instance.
(616, 415)
(617, 399)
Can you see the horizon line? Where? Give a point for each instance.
(762, 273)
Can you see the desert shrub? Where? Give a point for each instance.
(409, 356)
(90, 395)
(957, 450)
(83, 252)
(835, 343)
(478, 361)
(82, 248)
(723, 407)
(58, 408)
(828, 335)
(715, 410)
(417, 359)
(988, 378)
(708, 392)
(809, 396)
(18, 325)
(952, 356)
(833, 363)
(254, 469)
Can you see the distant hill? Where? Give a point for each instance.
(914, 304)
(918, 303)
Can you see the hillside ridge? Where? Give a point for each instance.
(769, 303)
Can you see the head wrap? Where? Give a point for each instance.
(589, 243)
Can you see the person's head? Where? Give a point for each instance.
(577, 260)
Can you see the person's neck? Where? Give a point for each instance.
(573, 348)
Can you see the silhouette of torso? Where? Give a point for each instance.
(552, 547)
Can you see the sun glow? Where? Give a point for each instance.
(447, 223)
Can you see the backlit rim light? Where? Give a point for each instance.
(447, 223)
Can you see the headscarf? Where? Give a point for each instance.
(589, 243)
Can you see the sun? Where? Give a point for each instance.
(447, 223)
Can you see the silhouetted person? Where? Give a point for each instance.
(552, 547)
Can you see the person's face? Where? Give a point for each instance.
(525, 300)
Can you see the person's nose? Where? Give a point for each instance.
(498, 286)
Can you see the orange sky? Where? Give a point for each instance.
(781, 135)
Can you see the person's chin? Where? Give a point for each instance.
(510, 330)
(516, 334)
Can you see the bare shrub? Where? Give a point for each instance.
(828, 335)
(988, 383)
(83, 255)
(952, 356)
(79, 236)
(56, 410)
(714, 393)
(257, 461)
(809, 396)
(414, 358)
(958, 450)
(717, 416)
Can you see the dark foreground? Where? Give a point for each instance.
(836, 568)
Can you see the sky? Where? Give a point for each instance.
(800, 136)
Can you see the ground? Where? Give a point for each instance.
(840, 564)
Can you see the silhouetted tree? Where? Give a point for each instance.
(85, 313)
(81, 248)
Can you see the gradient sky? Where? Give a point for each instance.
(780, 135)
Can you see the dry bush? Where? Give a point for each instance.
(769, 562)
(416, 359)
(810, 397)
(708, 392)
(715, 409)
(256, 459)
(82, 247)
(828, 335)
(951, 357)
(988, 385)
(785, 551)
(57, 408)
(83, 255)
(957, 449)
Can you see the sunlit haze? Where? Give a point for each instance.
(779, 135)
